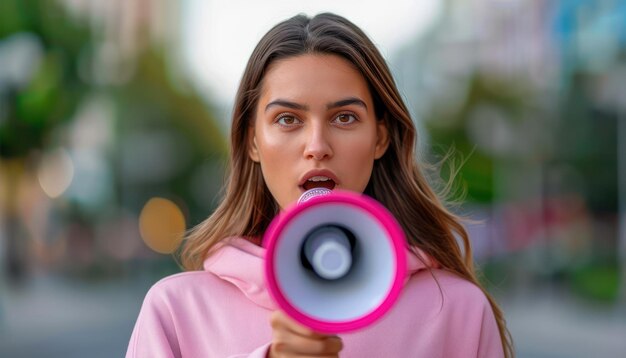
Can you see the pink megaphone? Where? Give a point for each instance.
(336, 261)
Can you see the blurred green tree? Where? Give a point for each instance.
(151, 107)
(38, 100)
(471, 129)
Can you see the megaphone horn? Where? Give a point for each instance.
(335, 261)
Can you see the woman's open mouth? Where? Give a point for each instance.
(319, 181)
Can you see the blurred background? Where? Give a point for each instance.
(113, 139)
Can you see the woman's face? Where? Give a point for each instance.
(315, 126)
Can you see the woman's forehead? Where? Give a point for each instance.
(313, 77)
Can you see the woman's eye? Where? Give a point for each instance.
(288, 120)
(345, 118)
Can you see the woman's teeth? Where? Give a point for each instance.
(319, 178)
(319, 182)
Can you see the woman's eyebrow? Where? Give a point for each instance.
(347, 102)
(288, 104)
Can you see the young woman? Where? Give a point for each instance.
(317, 106)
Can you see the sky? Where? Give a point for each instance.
(219, 36)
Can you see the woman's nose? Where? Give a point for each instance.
(318, 146)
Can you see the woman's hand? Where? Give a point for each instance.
(291, 339)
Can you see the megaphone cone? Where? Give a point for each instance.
(335, 262)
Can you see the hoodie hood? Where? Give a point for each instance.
(240, 262)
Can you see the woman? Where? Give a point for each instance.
(317, 106)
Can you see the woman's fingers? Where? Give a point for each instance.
(279, 320)
(293, 339)
(293, 344)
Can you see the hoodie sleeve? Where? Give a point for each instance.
(154, 334)
(489, 344)
(261, 352)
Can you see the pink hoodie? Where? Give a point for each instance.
(224, 311)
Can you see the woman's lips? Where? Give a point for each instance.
(318, 178)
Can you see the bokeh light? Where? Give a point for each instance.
(55, 173)
(162, 225)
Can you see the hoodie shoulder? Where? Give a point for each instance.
(448, 287)
(179, 307)
(175, 291)
(446, 305)
(183, 278)
(181, 281)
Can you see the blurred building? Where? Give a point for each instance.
(125, 30)
(529, 94)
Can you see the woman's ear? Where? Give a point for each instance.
(382, 140)
(253, 151)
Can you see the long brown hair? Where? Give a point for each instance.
(397, 180)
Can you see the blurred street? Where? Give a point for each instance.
(96, 321)
(52, 317)
(549, 324)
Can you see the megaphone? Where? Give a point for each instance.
(335, 261)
